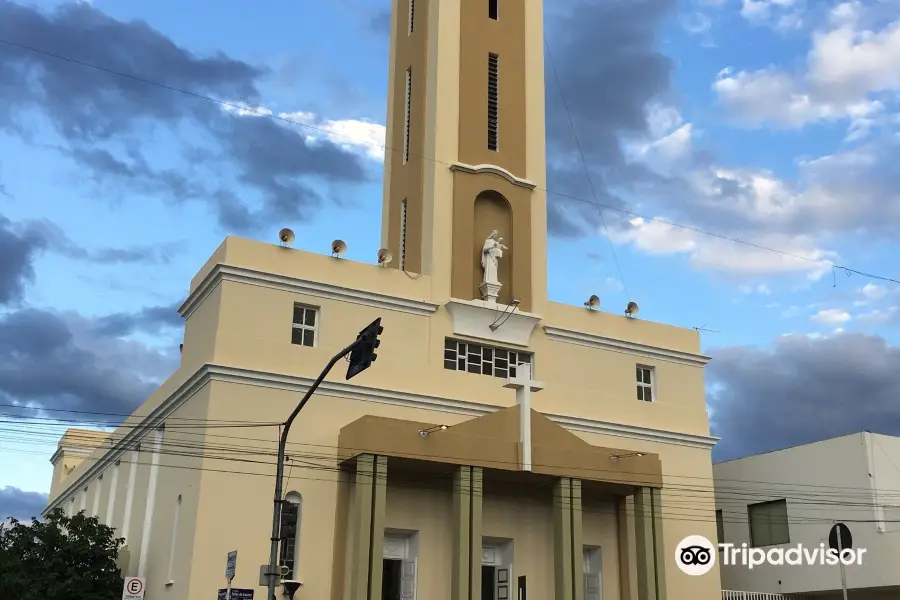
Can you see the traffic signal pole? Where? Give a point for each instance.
(367, 341)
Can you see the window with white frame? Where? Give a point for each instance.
(305, 327)
(645, 377)
(483, 360)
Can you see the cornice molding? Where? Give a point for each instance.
(296, 285)
(493, 170)
(299, 385)
(568, 336)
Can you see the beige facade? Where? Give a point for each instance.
(423, 477)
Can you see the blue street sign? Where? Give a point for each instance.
(237, 594)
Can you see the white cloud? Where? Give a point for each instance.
(849, 64)
(881, 317)
(872, 291)
(669, 141)
(355, 135)
(782, 15)
(706, 252)
(831, 317)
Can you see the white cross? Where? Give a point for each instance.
(524, 385)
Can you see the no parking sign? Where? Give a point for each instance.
(134, 589)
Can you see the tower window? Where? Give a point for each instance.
(493, 95)
(412, 15)
(407, 109)
(492, 9)
(403, 234)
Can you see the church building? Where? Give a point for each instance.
(502, 446)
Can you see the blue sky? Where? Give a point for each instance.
(769, 121)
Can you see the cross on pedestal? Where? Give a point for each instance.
(524, 385)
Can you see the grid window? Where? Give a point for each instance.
(493, 101)
(291, 515)
(305, 325)
(492, 9)
(484, 360)
(720, 526)
(645, 383)
(768, 523)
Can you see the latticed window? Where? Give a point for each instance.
(483, 360)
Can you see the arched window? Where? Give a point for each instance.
(291, 516)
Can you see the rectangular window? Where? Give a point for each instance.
(645, 383)
(720, 526)
(403, 234)
(407, 110)
(305, 327)
(412, 15)
(492, 9)
(493, 98)
(290, 533)
(768, 523)
(484, 360)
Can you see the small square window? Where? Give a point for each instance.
(304, 330)
(644, 376)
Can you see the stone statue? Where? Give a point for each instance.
(491, 253)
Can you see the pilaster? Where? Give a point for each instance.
(649, 546)
(468, 491)
(568, 539)
(370, 492)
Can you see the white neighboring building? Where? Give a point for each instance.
(803, 490)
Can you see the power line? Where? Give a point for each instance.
(597, 203)
(693, 508)
(331, 452)
(587, 171)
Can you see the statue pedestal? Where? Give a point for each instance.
(490, 291)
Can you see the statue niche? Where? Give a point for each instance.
(493, 273)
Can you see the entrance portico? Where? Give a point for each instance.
(486, 458)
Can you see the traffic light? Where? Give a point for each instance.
(289, 512)
(363, 355)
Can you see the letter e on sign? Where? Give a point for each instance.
(134, 589)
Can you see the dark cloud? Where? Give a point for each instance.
(67, 362)
(20, 505)
(104, 116)
(20, 243)
(18, 249)
(152, 319)
(603, 70)
(802, 390)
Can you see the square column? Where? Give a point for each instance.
(468, 491)
(568, 539)
(649, 544)
(366, 552)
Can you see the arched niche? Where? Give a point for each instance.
(492, 211)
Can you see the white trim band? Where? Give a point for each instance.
(360, 393)
(295, 285)
(568, 336)
(493, 170)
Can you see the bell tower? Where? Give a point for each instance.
(466, 146)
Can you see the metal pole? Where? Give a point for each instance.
(279, 469)
(841, 562)
(228, 590)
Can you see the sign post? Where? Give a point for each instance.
(134, 589)
(840, 539)
(230, 566)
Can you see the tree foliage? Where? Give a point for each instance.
(60, 558)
